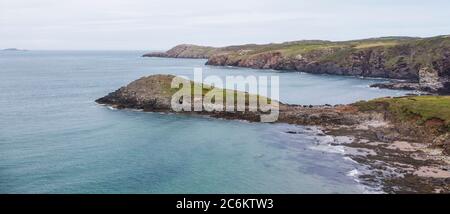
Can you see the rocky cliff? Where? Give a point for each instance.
(423, 61)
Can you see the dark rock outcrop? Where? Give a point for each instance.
(147, 93)
(410, 86)
(154, 93)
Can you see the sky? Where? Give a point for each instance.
(161, 24)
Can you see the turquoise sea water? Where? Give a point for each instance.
(55, 139)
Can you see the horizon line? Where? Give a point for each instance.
(226, 45)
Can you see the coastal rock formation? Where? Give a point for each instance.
(154, 93)
(147, 93)
(410, 86)
(425, 61)
(431, 79)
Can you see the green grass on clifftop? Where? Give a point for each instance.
(214, 91)
(419, 108)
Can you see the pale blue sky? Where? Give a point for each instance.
(161, 24)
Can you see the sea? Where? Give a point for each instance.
(55, 139)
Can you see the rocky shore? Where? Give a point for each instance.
(405, 149)
(423, 62)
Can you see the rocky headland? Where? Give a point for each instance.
(404, 141)
(423, 62)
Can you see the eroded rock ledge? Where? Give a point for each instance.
(408, 137)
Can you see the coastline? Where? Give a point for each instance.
(391, 153)
(424, 63)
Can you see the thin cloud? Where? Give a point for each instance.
(160, 24)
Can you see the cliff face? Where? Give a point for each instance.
(400, 61)
(185, 51)
(368, 63)
(425, 61)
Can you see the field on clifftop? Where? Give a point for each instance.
(386, 57)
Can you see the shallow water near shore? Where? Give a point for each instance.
(55, 139)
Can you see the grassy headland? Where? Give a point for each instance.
(425, 61)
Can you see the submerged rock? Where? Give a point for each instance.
(412, 86)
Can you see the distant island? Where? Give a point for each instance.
(422, 63)
(13, 49)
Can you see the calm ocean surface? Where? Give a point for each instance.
(55, 139)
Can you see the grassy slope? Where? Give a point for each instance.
(418, 108)
(416, 52)
(167, 90)
(300, 47)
